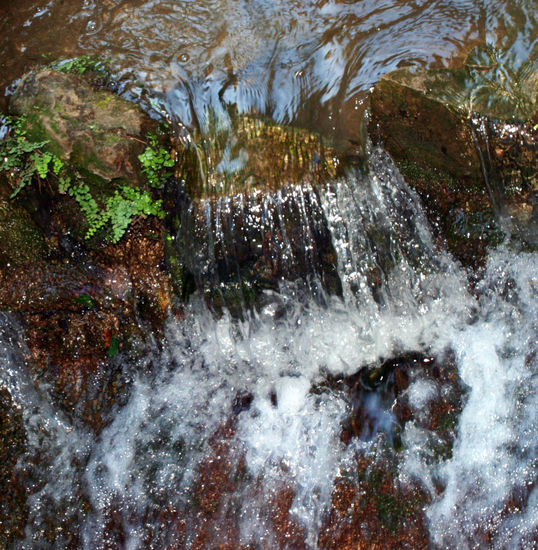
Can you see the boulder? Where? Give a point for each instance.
(96, 131)
(467, 146)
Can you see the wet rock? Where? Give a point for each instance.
(81, 309)
(96, 131)
(414, 123)
(87, 317)
(249, 215)
(21, 242)
(371, 508)
(471, 158)
(236, 247)
(140, 271)
(244, 153)
(13, 495)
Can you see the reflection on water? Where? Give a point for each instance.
(278, 57)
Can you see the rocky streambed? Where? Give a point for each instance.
(171, 294)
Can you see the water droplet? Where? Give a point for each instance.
(91, 26)
(183, 58)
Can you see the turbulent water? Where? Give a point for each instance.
(260, 374)
(253, 393)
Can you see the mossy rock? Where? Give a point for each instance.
(21, 242)
(97, 132)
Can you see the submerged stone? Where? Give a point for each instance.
(246, 153)
(249, 216)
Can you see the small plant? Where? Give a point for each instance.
(121, 208)
(155, 160)
(83, 64)
(24, 161)
(116, 211)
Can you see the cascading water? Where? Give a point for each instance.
(230, 418)
(336, 374)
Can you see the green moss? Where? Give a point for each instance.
(182, 281)
(20, 240)
(447, 421)
(104, 102)
(114, 347)
(85, 300)
(83, 65)
(393, 510)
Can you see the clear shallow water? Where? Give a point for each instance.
(309, 61)
(241, 393)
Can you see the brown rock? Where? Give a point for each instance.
(96, 131)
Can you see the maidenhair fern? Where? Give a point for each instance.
(118, 210)
(155, 160)
(41, 162)
(23, 160)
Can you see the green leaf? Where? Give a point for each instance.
(41, 163)
(113, 347)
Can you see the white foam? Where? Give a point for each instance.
(420, 393)
(495, 451)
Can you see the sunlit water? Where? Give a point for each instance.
(287, 435)
(309, 63)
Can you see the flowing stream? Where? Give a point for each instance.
(230, 415)
(250, 392)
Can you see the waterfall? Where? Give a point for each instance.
(232, 430)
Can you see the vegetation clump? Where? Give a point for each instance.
(83, 65)
(24, 161)
(155, 161)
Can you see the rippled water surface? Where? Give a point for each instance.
(285, 58)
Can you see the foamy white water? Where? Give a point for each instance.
(495, 455)
(400, 295)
